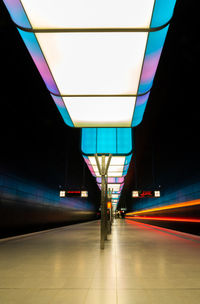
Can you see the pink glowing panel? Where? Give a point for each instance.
(152, 55)
(87, 161)
(39, 60)
(17, 13)
(91, 170)
(62, 109)
(120, 180)
(111, 180)
(140, 106)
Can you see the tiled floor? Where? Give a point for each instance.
(140, 265)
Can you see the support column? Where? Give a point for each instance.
(103, 169)
(103, 211)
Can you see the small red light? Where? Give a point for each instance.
(73, 191)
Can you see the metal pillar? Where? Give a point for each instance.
(103, 169)
(103, 211)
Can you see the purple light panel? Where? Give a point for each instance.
(39, 60)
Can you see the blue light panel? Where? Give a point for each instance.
(117, 141)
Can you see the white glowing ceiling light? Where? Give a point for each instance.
(93, 160)
(94, 63)
(89, 52)
(110, 174)
(113, 169)
(114, 187)
(115, 196)
(105, 110)
(116, 167)
(115, 160)
(88, 13)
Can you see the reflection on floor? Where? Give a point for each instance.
(140, 265)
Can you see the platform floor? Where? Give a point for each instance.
(140, 265)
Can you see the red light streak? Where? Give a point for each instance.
(173, 219)
(175, 233)
(172, 206)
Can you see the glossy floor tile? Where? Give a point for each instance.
(141, 264)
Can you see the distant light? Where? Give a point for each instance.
(157, 193)
(135, 193)
(62, 193)
(115, 195)
(109, 205)
(84, 193)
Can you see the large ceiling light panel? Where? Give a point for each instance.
(97, 58)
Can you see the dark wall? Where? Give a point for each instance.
(182, 218)
(26, 207)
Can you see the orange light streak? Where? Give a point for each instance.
(173, 219)
(172, 206)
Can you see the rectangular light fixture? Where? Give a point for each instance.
(135, 193)
(105, 110)
(114, 171)
(90, 14)
(84, 193)
(157, 193)
(98, 59)
(115, 141)
(62, 193)
(107, 63)
(115, 196)
(143, 194)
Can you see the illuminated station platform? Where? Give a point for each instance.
(141, 264)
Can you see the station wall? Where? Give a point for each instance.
(26, 207)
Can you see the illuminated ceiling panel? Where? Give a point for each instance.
(88, 13)
(94, 63)
(112, 180)
(114, 196)
(115, 141)
(115, 160)
(100, 111)
(109, 140)
(114, 187)
(118, 166)
(97, 50)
